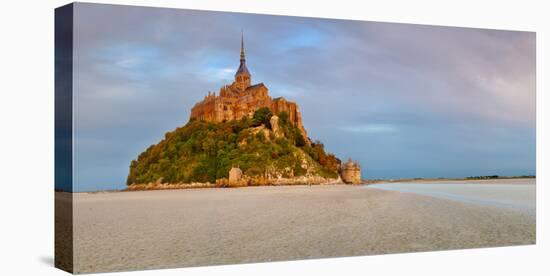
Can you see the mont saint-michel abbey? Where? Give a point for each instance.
(241, 98)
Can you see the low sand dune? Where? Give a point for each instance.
(175, 228)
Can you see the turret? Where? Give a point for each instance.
(351, 172)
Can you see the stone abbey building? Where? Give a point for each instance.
(241, 98)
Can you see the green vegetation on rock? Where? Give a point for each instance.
(204, 152)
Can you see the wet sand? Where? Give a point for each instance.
(177, 228)
(517, 194)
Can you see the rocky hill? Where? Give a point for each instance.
(267, 149)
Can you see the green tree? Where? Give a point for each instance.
(299, 138)
(262, 116)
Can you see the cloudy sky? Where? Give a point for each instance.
(405, 100)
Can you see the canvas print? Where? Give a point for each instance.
(195, 138)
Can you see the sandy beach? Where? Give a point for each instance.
(177, 228)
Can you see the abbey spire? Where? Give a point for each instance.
(242, 76)
(242, 49)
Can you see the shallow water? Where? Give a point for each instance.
(519, 195)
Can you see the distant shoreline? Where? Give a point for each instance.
(450, 180)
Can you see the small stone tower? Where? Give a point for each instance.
(235, 174)
(351, 172)
(242, 76)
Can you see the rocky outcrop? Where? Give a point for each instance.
(265, 181)
(274, 121)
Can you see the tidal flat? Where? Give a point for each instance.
(518, 194)
(119, 231)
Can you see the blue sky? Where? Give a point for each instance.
(404, 100)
